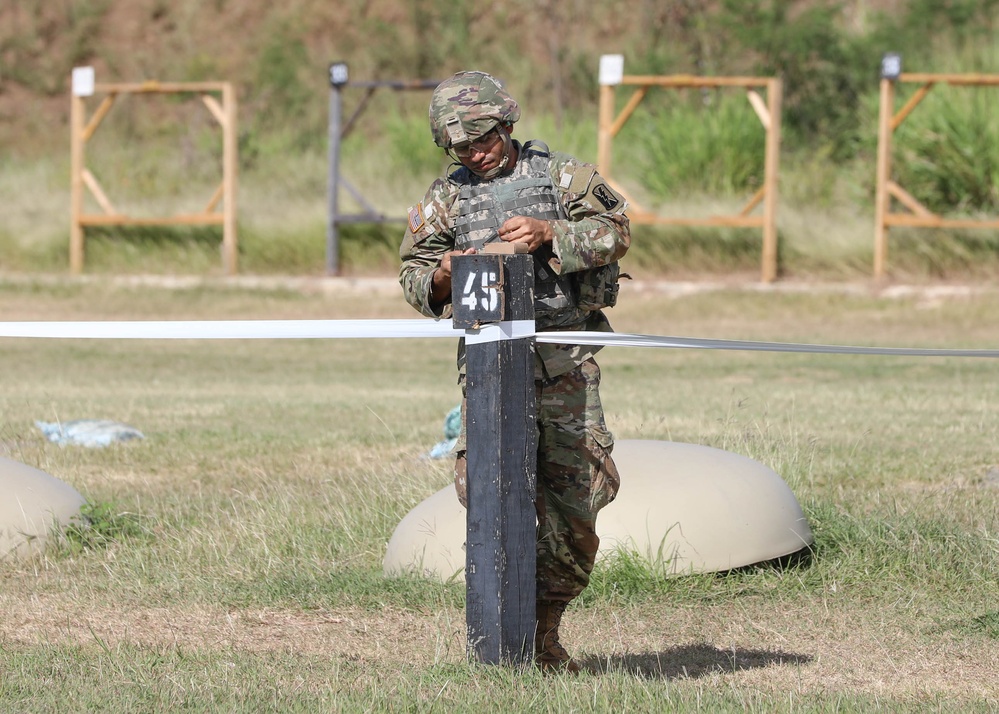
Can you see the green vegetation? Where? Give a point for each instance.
(683, 153)
(101, 525)
(949, 156)
(233, 557)
(681, 143)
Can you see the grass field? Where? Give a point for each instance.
(235, 558)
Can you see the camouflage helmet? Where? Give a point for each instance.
(467, 106)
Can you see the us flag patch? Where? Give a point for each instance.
(416, 218)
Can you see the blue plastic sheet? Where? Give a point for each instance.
(92, 433)
(452, 428)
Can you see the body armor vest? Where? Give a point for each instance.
(526, 191)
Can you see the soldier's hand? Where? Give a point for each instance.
(440, 285)
(532, 231)
(445, 268)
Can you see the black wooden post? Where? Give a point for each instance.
(500, 425)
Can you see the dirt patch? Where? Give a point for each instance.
(806, 649)
(925, 295)
(388, 635)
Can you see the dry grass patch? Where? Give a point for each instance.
(818, 648)
(249, 527)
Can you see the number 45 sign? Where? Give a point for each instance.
(477, 290)
(483, 297)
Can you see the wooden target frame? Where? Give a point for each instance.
(769, 113)
(917, 216)
(82, 129)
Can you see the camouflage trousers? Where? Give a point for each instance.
(576, 478)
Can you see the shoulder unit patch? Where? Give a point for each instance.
(605, 196)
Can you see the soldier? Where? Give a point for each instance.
(575, 226)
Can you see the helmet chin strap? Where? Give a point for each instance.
(507, 152)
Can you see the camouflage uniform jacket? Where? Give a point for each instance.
(596, 233)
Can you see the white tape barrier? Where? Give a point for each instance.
(339, 329)
(509, 330)
(230, 329)
(631, 340)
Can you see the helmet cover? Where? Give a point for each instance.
(468, 106)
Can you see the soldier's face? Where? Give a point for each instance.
(483, 155)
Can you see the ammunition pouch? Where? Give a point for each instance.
(597, 288)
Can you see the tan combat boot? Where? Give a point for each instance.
(549, 654)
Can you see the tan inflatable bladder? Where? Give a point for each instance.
(686, 508)
(33, 505)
